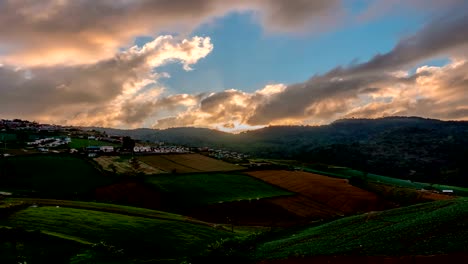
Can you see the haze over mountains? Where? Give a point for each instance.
(405, 147)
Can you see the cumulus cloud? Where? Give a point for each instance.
(384, 85)
(87, 81)
(121, 90)
(332, 94)
(88, 31)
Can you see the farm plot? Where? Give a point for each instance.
(320, 196)
(123, 166)
(52, 176)
(187, 163)
(144, 238)
(190, 190)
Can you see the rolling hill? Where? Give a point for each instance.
(419, 149)
(425, 229)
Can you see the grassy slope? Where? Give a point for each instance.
(202, 189)
(138, 236)
(51, 175)
(103, 207)
(430, 228)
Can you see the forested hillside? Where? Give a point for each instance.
(405, 147)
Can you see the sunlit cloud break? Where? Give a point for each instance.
(60, 63)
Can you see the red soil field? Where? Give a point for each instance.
(187, 163)
(130, 193)
(246, 213)
(320, 197)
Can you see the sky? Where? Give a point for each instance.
(231, 65)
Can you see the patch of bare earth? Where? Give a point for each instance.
(131, 193)
(246, 213)
(320, 197)
(187, 163)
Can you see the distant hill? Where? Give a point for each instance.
(406, 147)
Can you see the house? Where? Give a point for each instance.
(107, 149)
(93, 149)
(447, 191)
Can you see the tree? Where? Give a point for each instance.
(128, 143)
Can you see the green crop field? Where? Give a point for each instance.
(424, 229)
(140, 237)
(77, 143)
(52, 176)
(103, 207)
(189, 190)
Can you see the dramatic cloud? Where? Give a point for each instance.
(71, 62)
(121, 90)
(87, 31)
(334, 92)
(381, 86)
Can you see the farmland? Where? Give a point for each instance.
(175, 239)
(123, 166)
(187, 163)
(52, 176)
(346, 173)
(320, 196)
(424, 229)
(189, 190)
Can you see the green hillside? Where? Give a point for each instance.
(77, 143)
(129, 237)
(424, 229)
(51, 176)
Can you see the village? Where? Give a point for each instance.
(24, 137)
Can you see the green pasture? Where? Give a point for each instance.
(52, 176)
(78, 143)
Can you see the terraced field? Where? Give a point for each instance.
(187, 163)
(319, 196)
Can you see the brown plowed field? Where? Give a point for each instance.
(304, 206)
(131, 193)
(124, 167)
(320, 196)
(246, 213)
(187, 163)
